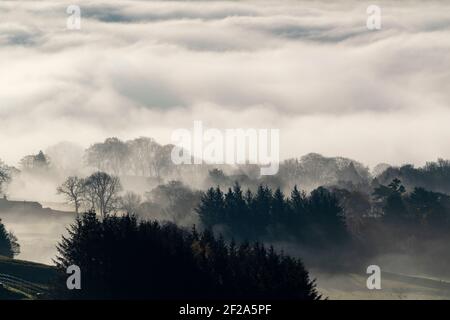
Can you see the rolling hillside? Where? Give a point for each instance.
(23, 279)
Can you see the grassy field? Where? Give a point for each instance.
(23, 279)
(28, 280)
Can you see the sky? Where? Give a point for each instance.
(311, 69)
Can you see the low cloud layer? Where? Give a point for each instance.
(311, 69)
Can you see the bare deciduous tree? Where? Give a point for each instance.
(142, 155)
(110, 156)
(104, 190)
(74, 190)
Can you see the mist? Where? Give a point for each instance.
(290, 65)
(363, 120)
(37, 236)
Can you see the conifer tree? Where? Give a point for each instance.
(9, 247)
(122, 258)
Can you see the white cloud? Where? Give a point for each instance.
(311, 69)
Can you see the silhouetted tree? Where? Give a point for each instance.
(211, 208)
(74, 190)
(434, 176)
(356, 208)
(122, 258)
(103, 189)
(9, 246)
(299, 207)
(236, 210)
(260, 208)
(325, 218)
(317, 218)
(391, 197)
(428, 209)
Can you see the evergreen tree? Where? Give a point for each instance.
(261, 210)
(427, 209)
(317, 219)
(211, 208)
(9, 246)
(122, 258)
(237, 211)
(327, 223)
(298, 204)
(279, 215)
(394, 208)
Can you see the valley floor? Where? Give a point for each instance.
(352, 286)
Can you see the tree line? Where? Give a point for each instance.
(144, 157)
(324, 216)
(123, 258)
(103, 193)
(434, 176)
(268, 214)
(419, 210)
(141, 157)
(328, 218)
